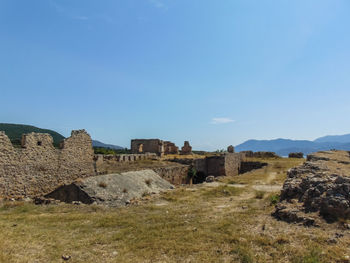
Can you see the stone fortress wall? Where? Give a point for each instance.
(38, 167)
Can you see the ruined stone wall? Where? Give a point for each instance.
(170, 148)
(175, 175)
(110, 163)
(147, 146)
(216, 166)
(232, 163)
(38, 168)
(222, 165)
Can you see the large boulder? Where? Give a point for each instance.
(112, 189)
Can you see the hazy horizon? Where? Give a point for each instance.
(212, 73)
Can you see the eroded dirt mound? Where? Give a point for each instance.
(318, 188)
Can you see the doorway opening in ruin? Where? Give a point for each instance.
(140, 148)
(199, 178)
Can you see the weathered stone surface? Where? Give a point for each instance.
(321, 185)
(186, 149)
(296, 155)
(38, 168)
(112, 189)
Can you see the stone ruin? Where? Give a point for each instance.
(38, 167)
(231, 149)
(186, 149)
(157, 146)
(227, 164)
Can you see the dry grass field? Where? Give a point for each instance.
(225, 221)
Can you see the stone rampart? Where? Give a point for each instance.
(38, 167)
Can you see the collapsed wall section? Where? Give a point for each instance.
(38, 167)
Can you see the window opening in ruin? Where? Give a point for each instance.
(140, 148)
(39, 143)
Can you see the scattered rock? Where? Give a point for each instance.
(332, 241)
(66, 257)
(210, 179)
(292, 214)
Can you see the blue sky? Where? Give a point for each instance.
(211, 72)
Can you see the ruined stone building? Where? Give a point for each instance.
(186, 149)
(159, 147)
(170, 148)
(227, 164)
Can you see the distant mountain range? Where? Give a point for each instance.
(15, 131)
(285, 146)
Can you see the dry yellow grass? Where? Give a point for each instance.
(214, 222)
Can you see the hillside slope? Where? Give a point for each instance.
(15, 131)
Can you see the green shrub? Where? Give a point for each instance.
(274, 199)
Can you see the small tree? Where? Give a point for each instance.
(191, 174)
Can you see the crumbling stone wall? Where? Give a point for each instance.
(222, 165)
(159, 147)
(260, 154)
(110, 163)
(175, 175)
(186, 149)
(38, 167)
(170, 148)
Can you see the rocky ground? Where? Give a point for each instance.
(318, 190)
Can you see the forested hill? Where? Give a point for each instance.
(15, 131)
